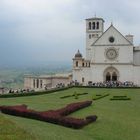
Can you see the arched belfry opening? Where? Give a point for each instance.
(89, 25)
(93, 25)
(111, 74)
(97, 27)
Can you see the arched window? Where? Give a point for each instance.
(89, 64)
(97, 27)
(89, 25)
(108, 77)
(83, 79)
(37, 83)
(41, 83)
(111, 74)
(89, 36)
(93, 25)
(83, 64)
(114, 76)
(34, 83)
(76, 63)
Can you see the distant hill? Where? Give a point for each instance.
(13, 76)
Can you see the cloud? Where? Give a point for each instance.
(39, 30)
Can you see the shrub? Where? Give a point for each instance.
(78, 94)
(120, 99)
(120, 96)
(53, 116)
(99, 97)
(73, 122)
(11, 95)
(123, 97)
(70, 108)
(66, 96)
(91, 118)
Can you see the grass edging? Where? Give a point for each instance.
(108, 87)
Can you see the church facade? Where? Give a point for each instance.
(110, 56)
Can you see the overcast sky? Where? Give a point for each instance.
(37, 31)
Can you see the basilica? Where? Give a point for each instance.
(110, 56)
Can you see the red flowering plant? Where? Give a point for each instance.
(53, 116)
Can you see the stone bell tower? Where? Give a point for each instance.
(94, 29)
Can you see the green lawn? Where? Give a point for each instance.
(117, 120)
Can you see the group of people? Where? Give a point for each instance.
(112, 84)
(91, 84)
(106, 84)
(19, 90)
(60, 85)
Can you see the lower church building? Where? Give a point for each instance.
(110, 56)
(44, 82)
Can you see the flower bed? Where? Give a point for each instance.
(53, 116)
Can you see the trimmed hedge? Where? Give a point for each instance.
(107, 87)
(79, 94)
(53, 116)
(11, 95)
(123, 97)
(120, 96)
(99, 97)
(120, 99)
